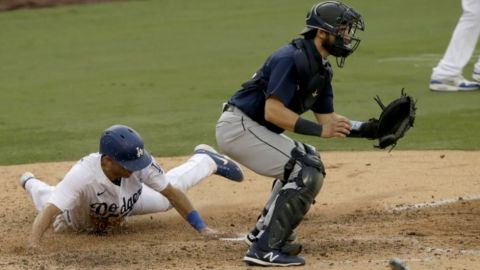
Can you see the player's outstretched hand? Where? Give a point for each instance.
(337, 127)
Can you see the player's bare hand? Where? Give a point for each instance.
(338, 127)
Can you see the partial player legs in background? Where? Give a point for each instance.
(39, 191)
(476, 71)
(453, 84)
(447, 75)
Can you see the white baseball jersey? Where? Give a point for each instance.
(90, 201)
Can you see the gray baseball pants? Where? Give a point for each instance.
(257, 148)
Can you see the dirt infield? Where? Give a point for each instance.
(421, 207)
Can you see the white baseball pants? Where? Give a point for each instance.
(462, 43)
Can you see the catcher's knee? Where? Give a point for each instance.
(312, 170)
(312, 181)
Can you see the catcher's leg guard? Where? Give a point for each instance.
(293, 201)
(251, 237)
(276, 187)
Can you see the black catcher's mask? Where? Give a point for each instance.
(339, 20)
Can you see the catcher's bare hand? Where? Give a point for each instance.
(339, 126)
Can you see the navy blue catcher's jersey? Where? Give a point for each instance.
(278, 77)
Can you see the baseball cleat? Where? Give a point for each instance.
(251, 237)
(476, 76)
(255, 256)
(453, 84)
(225, 166)
(25, 177)
(289, 248)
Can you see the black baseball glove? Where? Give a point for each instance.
(395, 120)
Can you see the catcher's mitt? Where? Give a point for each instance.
(396, 119)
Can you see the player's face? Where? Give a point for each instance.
(328, 41)
(113, 170)
(120, 171)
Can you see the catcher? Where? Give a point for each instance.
(102, 189)
(295, 79)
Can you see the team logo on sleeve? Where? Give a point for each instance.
(139, 152)
(157, 167)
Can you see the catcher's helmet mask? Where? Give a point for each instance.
(339, 20)
(125, 146)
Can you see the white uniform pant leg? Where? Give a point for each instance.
(477, 66)
(192, 172)
(462, 43)
(183, 177)
(39, 191)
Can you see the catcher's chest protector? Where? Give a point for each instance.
(312, 75)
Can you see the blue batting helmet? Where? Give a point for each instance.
(125, 146)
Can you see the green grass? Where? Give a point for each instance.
(164, 67)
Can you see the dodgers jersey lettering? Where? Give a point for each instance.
(90, 199)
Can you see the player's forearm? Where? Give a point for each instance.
(43, 220)
(184, 207)
(182, 204)
(279, 115)
(186, 210)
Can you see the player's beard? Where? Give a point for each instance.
(330, 45)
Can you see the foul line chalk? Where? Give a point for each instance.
(233, 239)
(435, 203)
